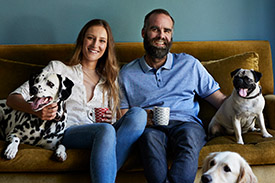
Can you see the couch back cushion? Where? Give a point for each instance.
(14, 73)
(221, 69)
(41, 54)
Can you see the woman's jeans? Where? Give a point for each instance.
(183, 140)
(110, 144)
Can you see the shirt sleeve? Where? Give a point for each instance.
(124, 103)
(206, 83)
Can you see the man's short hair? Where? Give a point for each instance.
(157, 11)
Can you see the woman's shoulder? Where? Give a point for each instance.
(57, 63)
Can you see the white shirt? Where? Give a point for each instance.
(78, 108)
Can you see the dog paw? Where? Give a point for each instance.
(11, 151)
(240, 142)
(255, 129)
(267, 135)
(61, 156)
(60, 153)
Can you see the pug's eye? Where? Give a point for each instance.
(247, 79)
(212, 163)
(50, 84)
(226, 169)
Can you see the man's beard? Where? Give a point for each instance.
(154, 51)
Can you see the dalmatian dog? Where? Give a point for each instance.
(18, 127)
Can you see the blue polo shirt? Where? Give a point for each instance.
(173, 85)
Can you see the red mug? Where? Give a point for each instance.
(98, 113)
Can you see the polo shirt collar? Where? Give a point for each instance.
(168, 64)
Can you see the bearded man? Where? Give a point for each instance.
(165, 79)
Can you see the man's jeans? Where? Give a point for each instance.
(110, 144)
(183, 140)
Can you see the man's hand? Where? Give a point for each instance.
(149, 117)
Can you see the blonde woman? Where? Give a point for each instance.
(93, 68)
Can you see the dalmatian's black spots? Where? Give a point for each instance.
(16, 126)
(32, 132)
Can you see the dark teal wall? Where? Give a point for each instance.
(59, 21)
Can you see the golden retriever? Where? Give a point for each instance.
(226, 167)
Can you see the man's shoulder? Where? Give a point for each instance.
(129, 66)
(183, 56)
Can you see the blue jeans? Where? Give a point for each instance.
(110, 144)
(180, 140)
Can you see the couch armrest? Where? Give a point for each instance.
(269, 110)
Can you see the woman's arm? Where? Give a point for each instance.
(17, 102)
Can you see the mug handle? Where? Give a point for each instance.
(91, 114)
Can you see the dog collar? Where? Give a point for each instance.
(260, 92)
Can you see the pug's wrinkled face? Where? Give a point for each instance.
(245, 81)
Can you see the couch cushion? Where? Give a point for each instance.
(256, 150)
(221, 69)
(36, 159)
(13, 74)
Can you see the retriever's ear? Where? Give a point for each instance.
(206, 162)
(246, 174)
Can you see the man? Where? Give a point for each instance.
(161, 78)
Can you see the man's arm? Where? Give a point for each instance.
(149, 116)
(123, 111)
(216, 99)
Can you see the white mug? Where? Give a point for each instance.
(161, 115)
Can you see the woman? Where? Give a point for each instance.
(93, 69)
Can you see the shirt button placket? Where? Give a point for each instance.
(159, 79)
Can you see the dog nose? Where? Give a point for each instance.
(33, 90)
(206, 178)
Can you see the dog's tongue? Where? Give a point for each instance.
(37, 102)
(243, 92)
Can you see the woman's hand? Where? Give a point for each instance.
(107, 117)
(48, 112)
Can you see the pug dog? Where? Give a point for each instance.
(242, 108)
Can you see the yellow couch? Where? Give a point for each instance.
(33, 164)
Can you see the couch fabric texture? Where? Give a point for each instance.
(34, 164)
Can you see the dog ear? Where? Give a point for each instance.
(257, 75)
(246, 174)
(65, 88)
(33, 76)
(234, 72)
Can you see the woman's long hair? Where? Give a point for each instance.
(107, 65)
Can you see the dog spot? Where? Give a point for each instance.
(25, 138)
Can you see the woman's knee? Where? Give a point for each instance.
(106, 130)
(138, 117)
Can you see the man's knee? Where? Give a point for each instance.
(153, 136)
